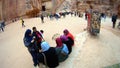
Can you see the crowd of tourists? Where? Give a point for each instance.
(43, 53)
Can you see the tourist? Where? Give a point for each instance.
(66, 41)
(42, 18)
(41, 33)
(62, 50)
(48, 55)
(118, 26)
(114, 19)
(86, 15)
(22, 21)
(58, 42)
(2, 25)
(29, 42)
(37, 36)
(69, 36)
(103, 16)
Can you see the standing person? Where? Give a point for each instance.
(41, 33)
(86, 15)
(29, 42)
(2, 25)
(103, 16)
(37, 36)
(63, 14)
(22, 21)
(42, 18)
(51, 17)
(56, 16)
(88, 21)
(71, 13)
(75, 14)
(114, 18)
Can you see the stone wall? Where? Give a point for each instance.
(106, 6)
(11, 9)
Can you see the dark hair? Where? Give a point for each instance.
(41, 31)
(66, 31)
(34, 28)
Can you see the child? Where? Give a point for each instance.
(41, 33)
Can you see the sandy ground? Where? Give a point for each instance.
(88, 52)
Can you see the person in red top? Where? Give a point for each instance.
(37, 36)
(69, 36)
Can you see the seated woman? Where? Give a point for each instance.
(45, 46)
(59, 42)
(67, 41)
(48, 56)
(69, 36)
(62, 50)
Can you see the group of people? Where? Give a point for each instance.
(59, 15)
(41, 51)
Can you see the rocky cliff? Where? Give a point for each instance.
(11, 9)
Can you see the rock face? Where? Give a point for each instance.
(106, 6)
(10, 9)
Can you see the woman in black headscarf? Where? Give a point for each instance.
(48, 56)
